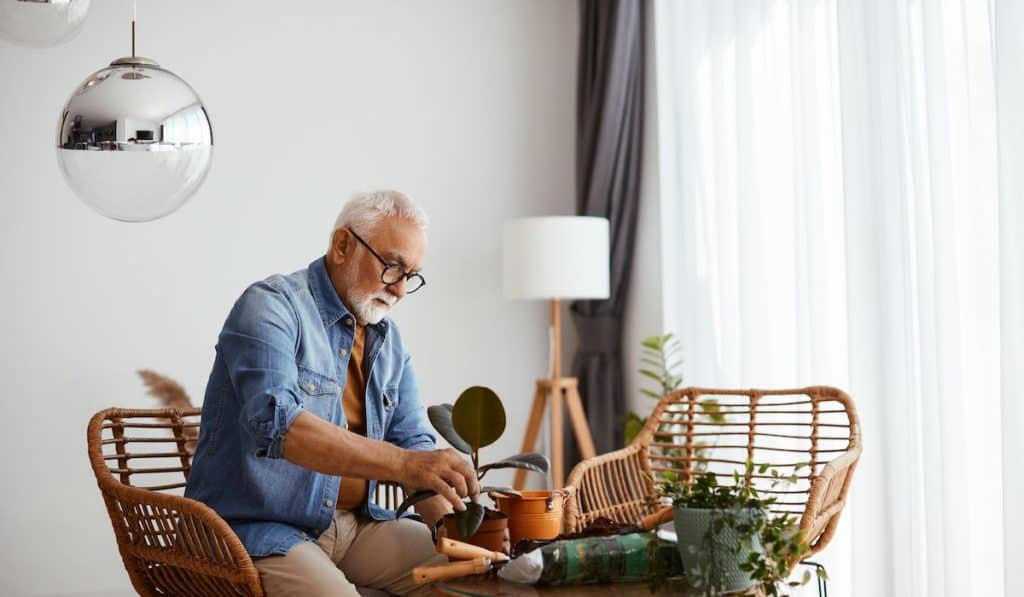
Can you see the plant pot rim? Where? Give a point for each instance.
(534, 494)
(489, 514)
(732, 509)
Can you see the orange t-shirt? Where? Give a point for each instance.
(353, 490)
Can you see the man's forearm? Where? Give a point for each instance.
(313, 443)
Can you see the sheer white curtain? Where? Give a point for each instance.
(840, 189)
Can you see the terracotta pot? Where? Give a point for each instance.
(536, 515)
(493, 532)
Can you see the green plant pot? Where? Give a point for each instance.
(701, 552)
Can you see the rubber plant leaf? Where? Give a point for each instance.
(468, 521)
(530, 461)
(440, 416)
(479, 417)
(504, 491)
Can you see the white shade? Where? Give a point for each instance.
(560, 257)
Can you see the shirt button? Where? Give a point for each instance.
(348, 321)
(343, 352)
(328, 503)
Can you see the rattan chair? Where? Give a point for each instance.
(171, 545)
(813, 432)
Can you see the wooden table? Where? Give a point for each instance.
(484, 586)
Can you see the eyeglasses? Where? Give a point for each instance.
(394, 273)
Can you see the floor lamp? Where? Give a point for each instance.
(556, 258)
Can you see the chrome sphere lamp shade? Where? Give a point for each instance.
(134, 140)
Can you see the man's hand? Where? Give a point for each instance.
(444, 471)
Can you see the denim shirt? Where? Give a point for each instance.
(284, 349)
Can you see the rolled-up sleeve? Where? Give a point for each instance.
(408, 428)
(258, 345)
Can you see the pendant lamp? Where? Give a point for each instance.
(41, 23)
(134, 140)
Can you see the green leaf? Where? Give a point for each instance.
(651, 374)
(531, 461)
(653, 342)
(440, 416)
(468, 521)
(479, 417)
(654, 395)
(416, 497)
(822, 574)
(634, 425)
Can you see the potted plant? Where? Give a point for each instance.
(476, 420)
(660, 363)
(728, 539)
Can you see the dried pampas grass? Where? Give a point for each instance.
(171, 395)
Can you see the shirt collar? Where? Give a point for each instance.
(331, 308)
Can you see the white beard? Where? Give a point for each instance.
(368, 309)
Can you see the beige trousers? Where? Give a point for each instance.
(353, 551)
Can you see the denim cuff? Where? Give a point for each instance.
(270, 424)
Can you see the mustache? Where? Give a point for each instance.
(387, 298)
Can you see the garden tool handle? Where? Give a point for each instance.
(658, 518)
(465, 551)
(426, 574)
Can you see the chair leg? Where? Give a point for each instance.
(822, 580)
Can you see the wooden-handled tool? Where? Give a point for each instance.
(658, 518)
(426, 574)
(464, 551)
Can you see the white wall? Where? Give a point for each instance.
(126, 129)
(468, 106)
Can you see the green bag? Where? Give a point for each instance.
(622, 558)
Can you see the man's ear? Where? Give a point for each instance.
(341, 246)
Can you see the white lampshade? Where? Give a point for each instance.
(560, 257)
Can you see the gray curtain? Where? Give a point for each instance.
(609, 139)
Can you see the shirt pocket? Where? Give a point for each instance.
(319, 391)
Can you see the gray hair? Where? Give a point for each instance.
(364, 210)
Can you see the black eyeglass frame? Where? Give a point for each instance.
(403, 275)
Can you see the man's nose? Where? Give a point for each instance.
(398, 289)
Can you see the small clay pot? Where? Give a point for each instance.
(536, 515)
(492, 534)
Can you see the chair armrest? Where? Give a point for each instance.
(826, 499)
(613, 485)
(172, 544)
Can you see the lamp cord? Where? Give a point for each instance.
(135, 12)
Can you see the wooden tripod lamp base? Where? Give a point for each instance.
(557, 258)
(564, 392)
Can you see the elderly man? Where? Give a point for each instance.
(312, 399)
